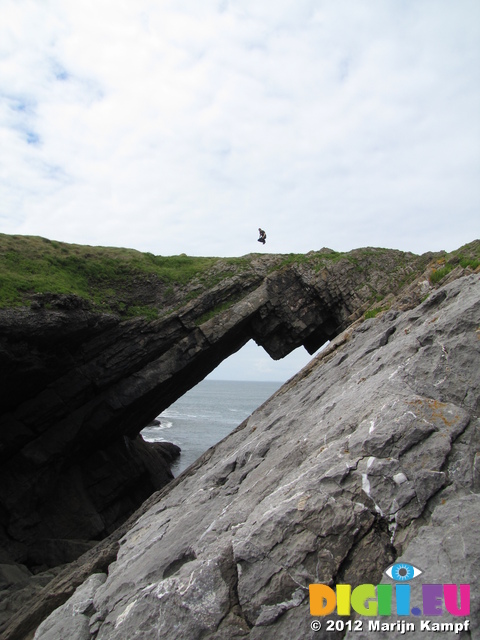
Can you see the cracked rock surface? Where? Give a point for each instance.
(369, 455)
(79, 385)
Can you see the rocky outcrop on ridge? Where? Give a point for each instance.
(369, 455)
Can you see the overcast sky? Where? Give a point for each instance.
(182, 126)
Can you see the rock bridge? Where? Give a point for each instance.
(78, 387)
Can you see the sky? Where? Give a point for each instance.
(253, 363)
(178, 126)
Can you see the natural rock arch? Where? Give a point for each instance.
(79, 387)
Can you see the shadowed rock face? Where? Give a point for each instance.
(78, 386)
(369, 455)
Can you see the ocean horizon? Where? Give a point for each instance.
(206, 414)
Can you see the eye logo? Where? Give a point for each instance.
(402, 572)
(371, 600)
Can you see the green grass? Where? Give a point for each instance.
(473, 263)
(439, 274)
(213, 312)
(373, 313)
(316, 259)
(467, 256)
(149, 313)
(31, 265)
(133, 283)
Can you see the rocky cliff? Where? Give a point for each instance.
(80, 385)
(369, 455)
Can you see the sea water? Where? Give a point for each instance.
(206, 414)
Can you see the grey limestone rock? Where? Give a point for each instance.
(368, 455)
(78, 385)
(71, 621)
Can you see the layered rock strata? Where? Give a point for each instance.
(78, 386)
(368, 456)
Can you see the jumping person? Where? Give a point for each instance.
(263, 236)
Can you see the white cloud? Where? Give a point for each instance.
(182, 126)
(252, 363)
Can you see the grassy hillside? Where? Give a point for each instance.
(113, 279)
(466, 256)
(31, 265)
(131, 283)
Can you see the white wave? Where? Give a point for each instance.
(164, 424)
(168, 413)
(181, 416)
(151, 438)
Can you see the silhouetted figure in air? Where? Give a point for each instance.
(263, 236)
